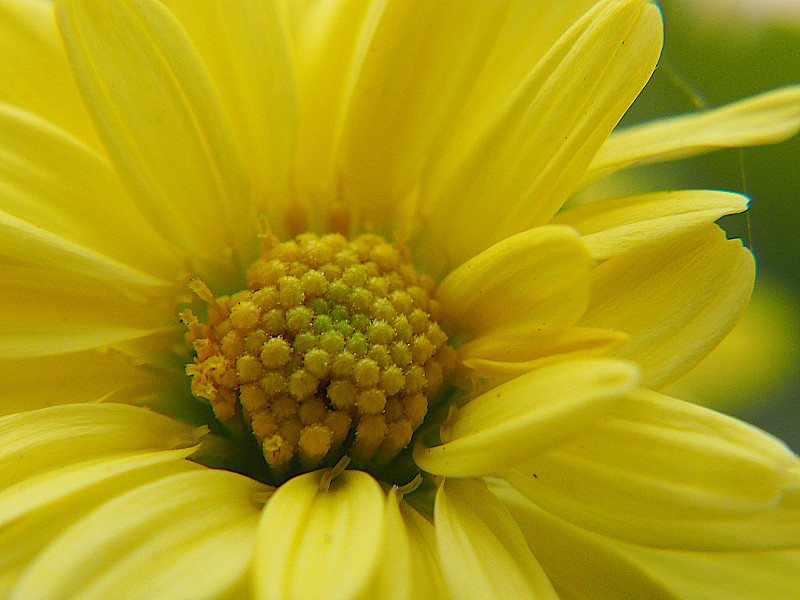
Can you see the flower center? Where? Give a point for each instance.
(332, 349)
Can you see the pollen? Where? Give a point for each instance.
(332, 350)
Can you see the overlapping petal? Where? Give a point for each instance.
(484, 554)
(763, 119)
(676, 299)
(174, 147)
(516, 420)
(614, 227)
(664, 473)
(526, 162)
(313, 540)
(188, 536)
(63, 205)
(28, 37)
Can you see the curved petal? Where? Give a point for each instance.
(162, 122)
(44, 312)
(310, 541)
(665, 473)
(763, 119)
(244, 47)
(328, 42)
(535, 280)
(188, 536)
(527, 162)
(614, 227)
(484, 554)
(503, 355)
(62, 200)
(30, 47)
(606, 568)
(419, 64)
(522, 417)
(427, 580)
(676, 299)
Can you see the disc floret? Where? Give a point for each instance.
(334, 348)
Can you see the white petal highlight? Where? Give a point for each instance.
(484, 554)
(520, 418)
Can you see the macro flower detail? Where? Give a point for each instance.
(299, 301)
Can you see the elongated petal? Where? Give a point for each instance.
(30, 47)
(484, 554)
(603, 567)
(394, 575)
(26, 535)
(595, 569)
(676, 300)
(62, 202)
(614, 227)
(527, 162)
(501, 355)
(328, 42)
(532, 281)
(161, 121)
(39, 441)
(313, 542)
(188, 536)
(243, 45)
(420, 63)
(665, 473)
(427, 580)
(520, 418)
(763, 119)
(47, 312)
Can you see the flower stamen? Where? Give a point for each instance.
(333, 348)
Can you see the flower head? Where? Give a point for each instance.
(296, 306)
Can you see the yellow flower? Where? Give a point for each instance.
(355, 209)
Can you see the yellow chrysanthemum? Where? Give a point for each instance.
(339, 225)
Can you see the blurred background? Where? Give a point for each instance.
(717, 51)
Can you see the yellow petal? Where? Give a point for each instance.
(763, 119)
(161, 121)
(581, 564)
(189, 536)
(532, 281)
(665, 473)
(89, 376)
(62, 202)
(41, 440)
(46, 312)
(527, 162)
(427, 580)
(25, 537)
(522, 417)
(606, 568)
(501, 355)
(418, 65)
(30, 46)
(393, 577)
(484, 554)
(313, 542)
(614, 227)
(328, 42)
(243, 45)
(676, 299)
